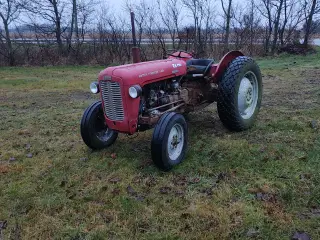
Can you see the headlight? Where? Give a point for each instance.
(94, 87)
(135, 91)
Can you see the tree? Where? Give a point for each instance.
(246, 26)
(228, 13)
(74, 24)
(170, 13)
(292, 17)
(315, 27)
(266, 11)
(314, 9)
(82, 11)
(9, 12)
(50, 11)
(197, 8)
(142, 11)
(278, 7)
(208, 31)
(271, 10)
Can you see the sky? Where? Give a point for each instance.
(119, 7)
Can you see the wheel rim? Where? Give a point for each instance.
(248, 95)
(102, 131)
(175, 141)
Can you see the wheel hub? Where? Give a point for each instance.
(248, 95)
(175, 142)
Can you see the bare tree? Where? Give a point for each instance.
(315, 7)
(247, 28)
(279, 6)
(73, 25)
(155, 32)
(9, 12)
(283, 17)
(197, 8)
(271, 10)
(50, 11)
(208, 31)
(292, 17)
(170, 13)
(267, 5)
(228, 13)
(287, 7)
(142, 11)
(82, 16)
(55, 26)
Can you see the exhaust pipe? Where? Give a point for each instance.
(135, 50)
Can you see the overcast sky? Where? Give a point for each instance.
(119, 7)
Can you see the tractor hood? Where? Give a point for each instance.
(145, 72)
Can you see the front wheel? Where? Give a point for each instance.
(240, 94)
(94, 131)
(169, 141)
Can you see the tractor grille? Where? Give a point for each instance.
(112, 99)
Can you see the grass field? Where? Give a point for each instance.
(262, 184)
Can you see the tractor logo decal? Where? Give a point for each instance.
(151, 73)
(176, 65)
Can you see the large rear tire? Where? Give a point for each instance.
(94, 131)
(240, 94)
(169, 141)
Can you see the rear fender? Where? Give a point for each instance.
(217, 70)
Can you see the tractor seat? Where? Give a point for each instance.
(199, 66)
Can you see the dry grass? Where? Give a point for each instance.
(262, 183)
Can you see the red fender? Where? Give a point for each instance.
(217, 70)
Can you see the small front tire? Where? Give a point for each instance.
(94, 131)
(169, 141)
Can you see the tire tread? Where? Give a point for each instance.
(227, 109)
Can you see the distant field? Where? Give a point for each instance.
(263, 183)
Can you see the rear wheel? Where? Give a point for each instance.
(169, 141)
(240, 94)
(94, 131)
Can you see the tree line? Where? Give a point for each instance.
(50, 32)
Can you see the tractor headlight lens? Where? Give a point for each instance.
(94, 87)
(135, 91)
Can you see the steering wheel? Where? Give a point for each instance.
(179, 55)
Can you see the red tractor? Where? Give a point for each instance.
(140, 96)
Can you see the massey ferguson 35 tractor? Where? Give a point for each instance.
(156, 94)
